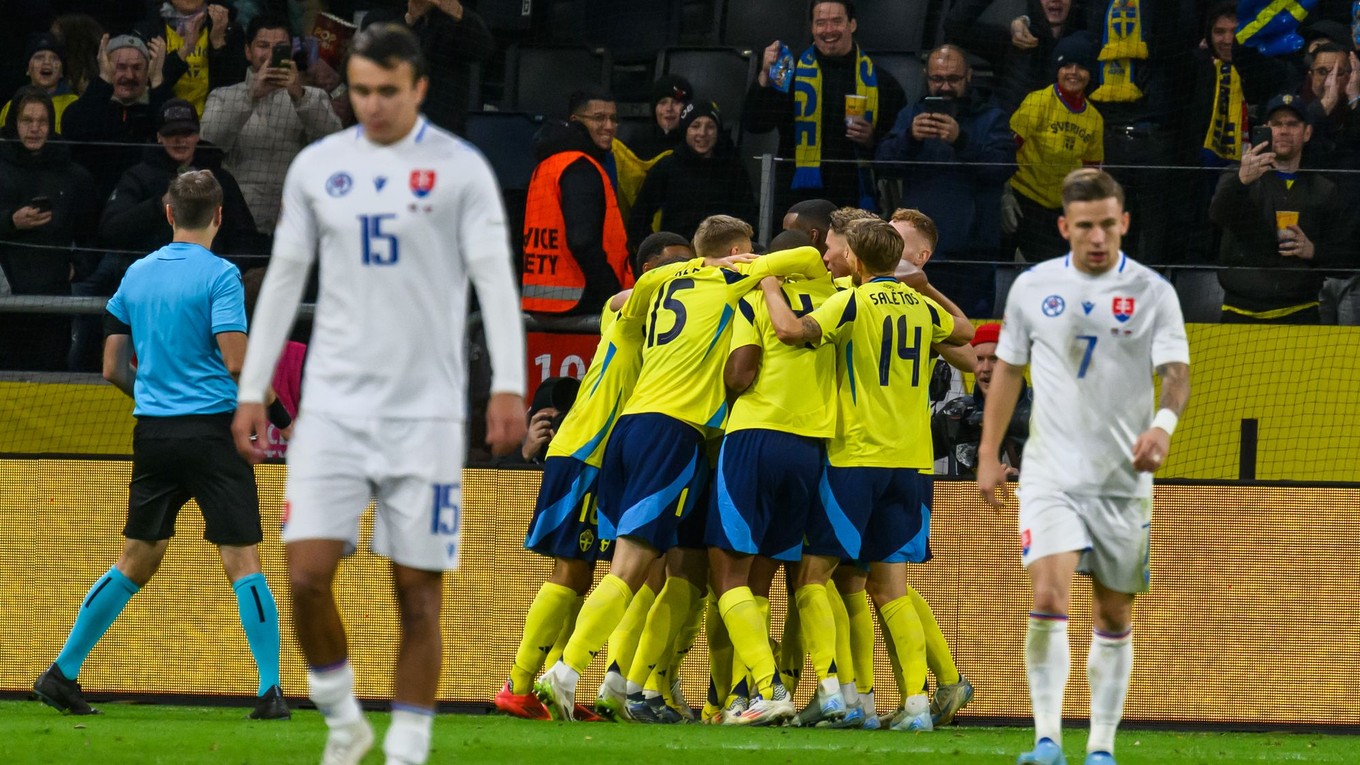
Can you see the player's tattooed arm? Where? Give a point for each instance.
(1175, 386)
(790, 329)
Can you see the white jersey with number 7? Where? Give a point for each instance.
(1092, 343)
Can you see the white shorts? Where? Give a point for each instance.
(413, 468)
(1112, 534)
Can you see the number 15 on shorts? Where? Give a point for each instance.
(447, 516)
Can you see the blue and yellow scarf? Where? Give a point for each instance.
(807, 117)
(1122, 45)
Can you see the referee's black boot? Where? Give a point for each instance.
(56, 691)
(271, 706)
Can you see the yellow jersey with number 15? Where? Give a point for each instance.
(689, 330)
(613, 371)
(882, 331)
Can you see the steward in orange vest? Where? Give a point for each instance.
(575, 244)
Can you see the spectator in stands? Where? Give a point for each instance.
(45, 71)
(813, 218)
(204, 49)
(575, 243)
(263, 122)
(118, 108)
(1332, 99)
(1057, 130)
(79, 36)
(454, 38)
(670, 95)
(1281, 228)
(45, 204)
(1019, 51)
(972, 151)
(704, 177)
(957, 426)
(814, 127)
(134, 216)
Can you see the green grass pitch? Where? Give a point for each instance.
(152, 735)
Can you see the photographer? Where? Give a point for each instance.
(551, 403)
(957, 426)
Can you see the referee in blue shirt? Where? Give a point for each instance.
(181, 309)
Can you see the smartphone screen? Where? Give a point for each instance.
(43, 204)
(940, 105)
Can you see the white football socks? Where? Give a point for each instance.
(1108, 667)
(408, 738)
(1048, 663)
(332, 690)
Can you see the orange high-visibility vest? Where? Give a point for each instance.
(553, 281)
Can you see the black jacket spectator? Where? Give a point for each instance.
(964, 201)
(451, 48)
(38, 260)
(1260, 278)
(134, 217)
(670, 95)
(96, 117)
(687, 187)
(1020, 71)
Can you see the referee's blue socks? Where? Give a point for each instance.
(260, 618)
(101, 606)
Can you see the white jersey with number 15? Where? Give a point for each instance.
(1092, 343)
(399, 230)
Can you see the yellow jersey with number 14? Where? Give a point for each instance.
(689, 330)
(613, 371)
(882, 331)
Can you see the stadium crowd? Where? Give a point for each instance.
(1165, 94)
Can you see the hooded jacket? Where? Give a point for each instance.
(134, 219)
(30, 267)
(687, 188)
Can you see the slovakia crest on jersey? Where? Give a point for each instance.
(1123, 308)
(1054, 305)
(422, 183)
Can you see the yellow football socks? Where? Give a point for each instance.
(623, 641)
(749, 636)
(542, 625)
(818, 628)
(938, 657)
(600, 614)
(861, 638)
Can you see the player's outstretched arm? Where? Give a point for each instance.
(790, 329)
(960, 357)
(1007, 381)
(1153, 445)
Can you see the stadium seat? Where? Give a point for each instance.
(1200, 294)
(906, 68)
(632, 31)
(891, 24)
(506, 15)
(717, 74)
(538, 79)
(506, 139)
(755, 24)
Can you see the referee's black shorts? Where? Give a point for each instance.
(176, 458)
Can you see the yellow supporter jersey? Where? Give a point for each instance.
(689, 330)
(882, 331)
(613, 371)
(1056, 141)
(193, 85)
(794, 390)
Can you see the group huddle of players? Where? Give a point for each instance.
(740, 414)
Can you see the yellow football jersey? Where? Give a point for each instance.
(613, 370)
(882, 331)
(794, 390)
(1057, 141)
(688, 335)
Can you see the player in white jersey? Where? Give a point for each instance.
(1093, 327)
(403, 215)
